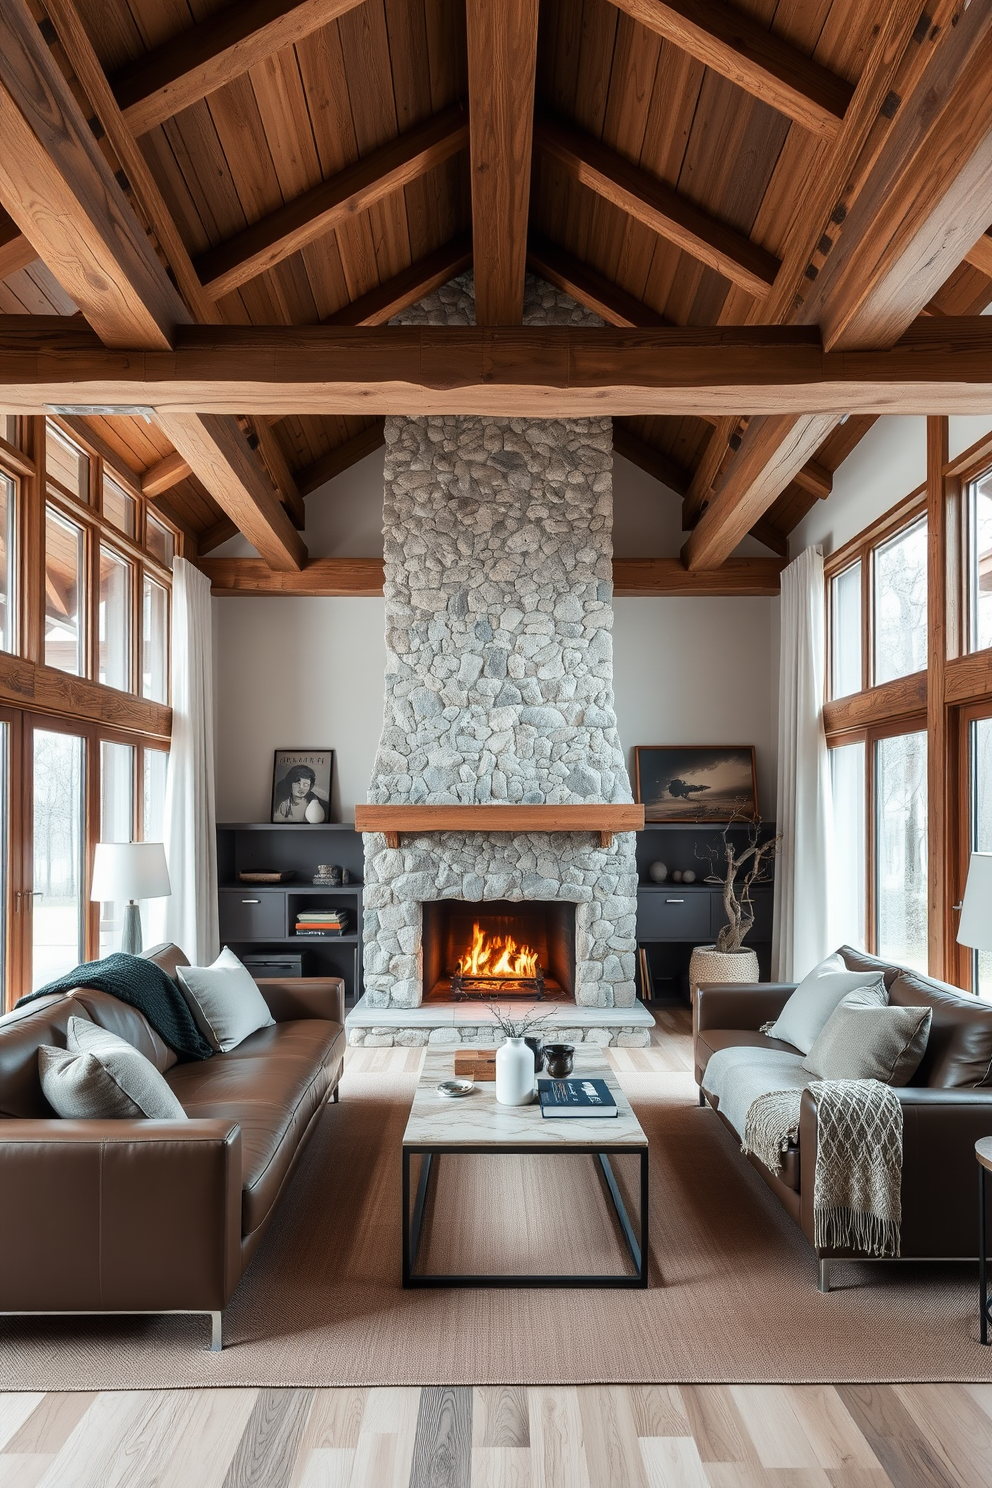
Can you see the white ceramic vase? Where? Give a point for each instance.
(514, 1073)
(710, 965)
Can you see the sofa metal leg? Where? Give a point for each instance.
(216, 1332)
(824, 1282)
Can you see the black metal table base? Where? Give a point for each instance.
(984, 1300)
(636, 1244)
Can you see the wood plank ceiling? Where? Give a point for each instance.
(328, 161)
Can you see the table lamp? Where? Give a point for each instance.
(975, 924)
(130, 871)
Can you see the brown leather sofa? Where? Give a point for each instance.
(946, 1108)
(157, 1216)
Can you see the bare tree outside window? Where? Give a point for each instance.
(901, 848)
(900, 604)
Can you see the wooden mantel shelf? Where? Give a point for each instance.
(392, 820)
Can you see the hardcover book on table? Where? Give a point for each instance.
(576, 1097)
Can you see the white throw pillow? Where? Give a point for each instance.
(805, 1014)
(225, 1001)
(103, 1077)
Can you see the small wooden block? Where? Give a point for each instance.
(476, 1064)
(392, 839)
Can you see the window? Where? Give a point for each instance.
(66, 465)
(116, 819)
(156, 764)
(900, 604)
(57, 894)
(8, 491)
(155, 642)
(847, 847)
(901, 849)
(845, 632)
(980, 751)
(118, 506)
(114, 620)
(8, 428)
(979, 581)
(64, 556)
(159, 541)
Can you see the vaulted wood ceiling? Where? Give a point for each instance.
(668, 162)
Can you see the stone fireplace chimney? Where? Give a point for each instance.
(499, 675)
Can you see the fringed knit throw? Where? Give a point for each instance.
(857, 1190)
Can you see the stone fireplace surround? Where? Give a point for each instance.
(499, 689)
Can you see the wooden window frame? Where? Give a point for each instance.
(33, 695)
(955, 688)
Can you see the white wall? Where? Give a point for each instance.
(699, 671)
(309, 672)
(295, 673)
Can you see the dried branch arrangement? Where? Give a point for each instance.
(756, 859)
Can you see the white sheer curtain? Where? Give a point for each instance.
(189, 916)
(802, 869)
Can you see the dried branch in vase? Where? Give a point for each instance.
(517, 1027)
(756, 859)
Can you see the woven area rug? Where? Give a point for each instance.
(732, 1299)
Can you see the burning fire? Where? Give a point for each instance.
(496, 956)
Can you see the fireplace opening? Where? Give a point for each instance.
(498, 949)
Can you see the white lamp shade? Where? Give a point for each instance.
(975, 925)
(130, 870)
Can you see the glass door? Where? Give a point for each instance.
(58, 837)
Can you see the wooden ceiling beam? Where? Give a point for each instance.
(914, 200)
(86, 65)
(939, 366)
(979, 255)
(816, 479)
(58, 187)
(342, 457)
(634, 577)
(218, 454)
(502, 65)
(773, 449)
(15, 250)
(335, 201)
(195, 63)
(589, 288)
(407, 287)
(651, 460)
(657, 206)
(748, 54)
(164, 474)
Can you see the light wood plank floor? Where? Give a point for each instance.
(630, 1436)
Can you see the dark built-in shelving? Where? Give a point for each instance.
(258, 919)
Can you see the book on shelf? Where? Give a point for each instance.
(576, 1097)
(647, 984)
(329, 932)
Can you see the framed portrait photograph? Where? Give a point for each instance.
(695, 782)
(301, 786)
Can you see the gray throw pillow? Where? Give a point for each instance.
(818, 994)
(100, 1077)
(865, 1040)
(225, 1001)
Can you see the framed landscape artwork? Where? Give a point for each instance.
(695, 782)
(301, 786)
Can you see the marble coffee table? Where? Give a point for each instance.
(477, 1124)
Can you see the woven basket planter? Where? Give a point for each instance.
(710, 965)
